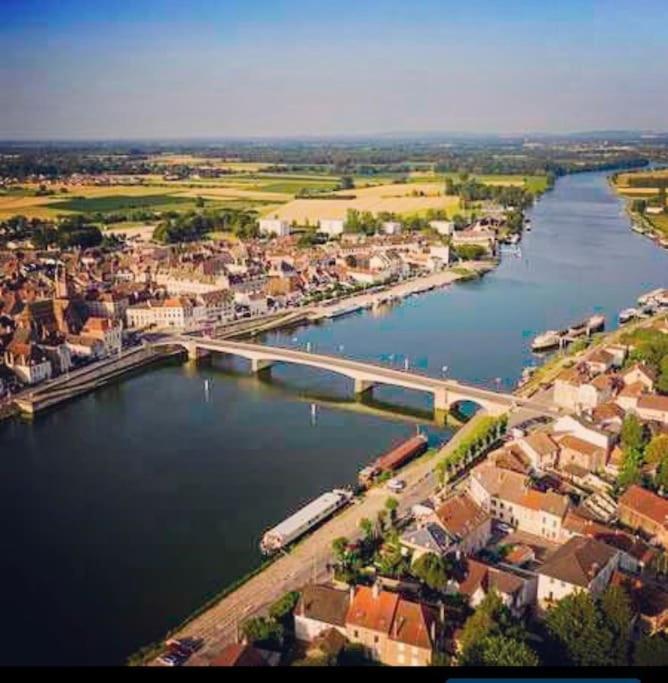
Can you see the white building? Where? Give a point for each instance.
(180, 312)
(319, 609)
(331, 226)
(108, 331)
(443, 227)
(391, 228)
(274, 226)
(28, 362)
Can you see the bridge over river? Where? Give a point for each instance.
(446, 392)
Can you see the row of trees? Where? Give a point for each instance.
(488, 431)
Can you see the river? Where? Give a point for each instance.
(123, 511)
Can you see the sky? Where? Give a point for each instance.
(102, 69)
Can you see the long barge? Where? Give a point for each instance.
(393, 459)
(301, 521)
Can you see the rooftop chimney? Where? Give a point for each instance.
(375, 590)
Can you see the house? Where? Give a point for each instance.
(274, 226)
(106, 330)
(635, 555)
(427, 538)
(608, 417)
(585, 430)
(599, 361)
(180, 312)
(319, 609)
(576, 451)
(652, 407)
(85, 346)
(393, 630)
(577, 389)
(239, 654)
(507, 496)
(642, 510)
(627, 398)
(580, 564)
(465, 522)
(639, 372)
(540, 449)
(516, 587)
(28, 362)
(333, 227)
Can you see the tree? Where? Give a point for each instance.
(347, 183)
(651, 651)
(391, 505)
(501, 651)
(340, 548)
(482, 622)
(616, 608)
(366, 525)
(657, 449)
(431, 570)
(283, 607)
(265, 631)
(634, 434)
(662, 381)
(470, 252)
(578, 629)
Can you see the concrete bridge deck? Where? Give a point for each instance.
(446, 392)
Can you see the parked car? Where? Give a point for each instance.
(396, 485)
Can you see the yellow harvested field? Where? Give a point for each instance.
(399, 199)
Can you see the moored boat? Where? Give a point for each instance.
(595, 324)
(627, 314)
(548, 340)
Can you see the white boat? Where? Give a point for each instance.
(627, 314)
(548, 340)
(595, 324)
(301, 521)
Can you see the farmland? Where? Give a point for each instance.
(408, 198)
(246, 186)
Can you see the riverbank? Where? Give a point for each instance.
(547, 373)
(307, 561)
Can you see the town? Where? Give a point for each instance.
(538, 536)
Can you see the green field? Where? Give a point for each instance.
(119, 203)
(290, 186)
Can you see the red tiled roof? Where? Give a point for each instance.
(646, 503)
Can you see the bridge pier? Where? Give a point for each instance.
(195, 354)
(363, 387)
(441, 407)
(260, 366)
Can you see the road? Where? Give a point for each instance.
(307, 562)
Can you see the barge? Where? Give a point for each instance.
(392, 460)
(303, 520)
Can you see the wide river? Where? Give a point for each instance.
(123, 511)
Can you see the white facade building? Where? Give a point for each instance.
(274, 226)
(331, 226)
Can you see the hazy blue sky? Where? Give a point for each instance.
(144, 68)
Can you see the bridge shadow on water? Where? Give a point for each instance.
(337, 394)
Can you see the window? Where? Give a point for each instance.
(356, 634)
(376, 639)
